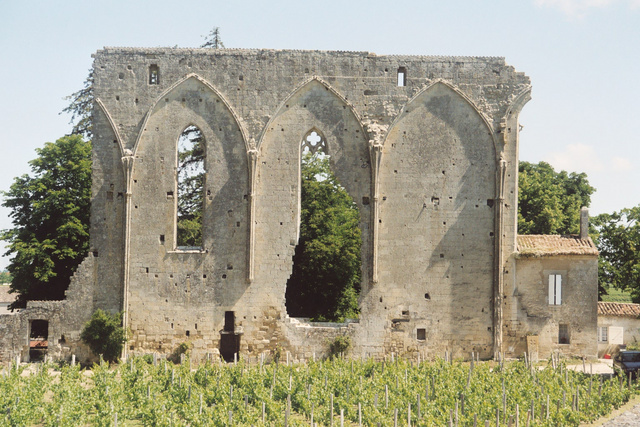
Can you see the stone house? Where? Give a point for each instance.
(426, 146)
(618, 326)
(555, 294)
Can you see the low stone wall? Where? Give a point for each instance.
(312, 339)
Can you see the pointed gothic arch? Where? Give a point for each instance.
(433, 85)
(312, 106)
(176, 88)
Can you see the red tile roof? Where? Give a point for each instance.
(5, 296)
(548, 245)
(618, 309)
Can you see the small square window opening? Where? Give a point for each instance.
(154, 75)
(402, 76)
(563, 334)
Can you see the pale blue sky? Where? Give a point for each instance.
(583, 57)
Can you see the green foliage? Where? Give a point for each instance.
(549, 202)
(213, 40)
(325, 281)
(104, 335)
(163, 395)
(80, 106)
(5, 277)
(616, 295)
(618, 241)
(191, 181)
(183, 348)
(635, 345)
(339, 346)
(50, 215)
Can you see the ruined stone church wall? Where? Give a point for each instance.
(421, 160)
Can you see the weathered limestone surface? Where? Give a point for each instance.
(531, 313)
(432, 165)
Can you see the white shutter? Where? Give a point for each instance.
(558, 288)
(555, 289)
(616, 335)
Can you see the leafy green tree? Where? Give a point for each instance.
(80, 105)
(105, 335)
(50, 216)
(213, 39)
(549, 202)
(191, 177)
(618, 241)
(326, 275)
(5, 277)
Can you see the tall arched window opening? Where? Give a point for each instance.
(325, 281)
(191, 176)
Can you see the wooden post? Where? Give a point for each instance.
(286, 411)
(331, 421)
(547, 407)
(386, 396)
(456, 415)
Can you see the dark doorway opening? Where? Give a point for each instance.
(38, 340)
(229, 338)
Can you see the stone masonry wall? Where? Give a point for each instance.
(431, 164)
(530, 314)
(421, 160)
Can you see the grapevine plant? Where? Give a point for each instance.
(428, 394)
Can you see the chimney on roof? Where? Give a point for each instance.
(584, 222)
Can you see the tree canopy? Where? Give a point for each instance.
(549, 202)
(325, 281)
(105, 335)
(213, 39)
(618, 240)
(80, 105)
(50, 216)
(5, 277)
(191, 181)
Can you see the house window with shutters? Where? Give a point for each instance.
(555, 289)
(603, 333)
